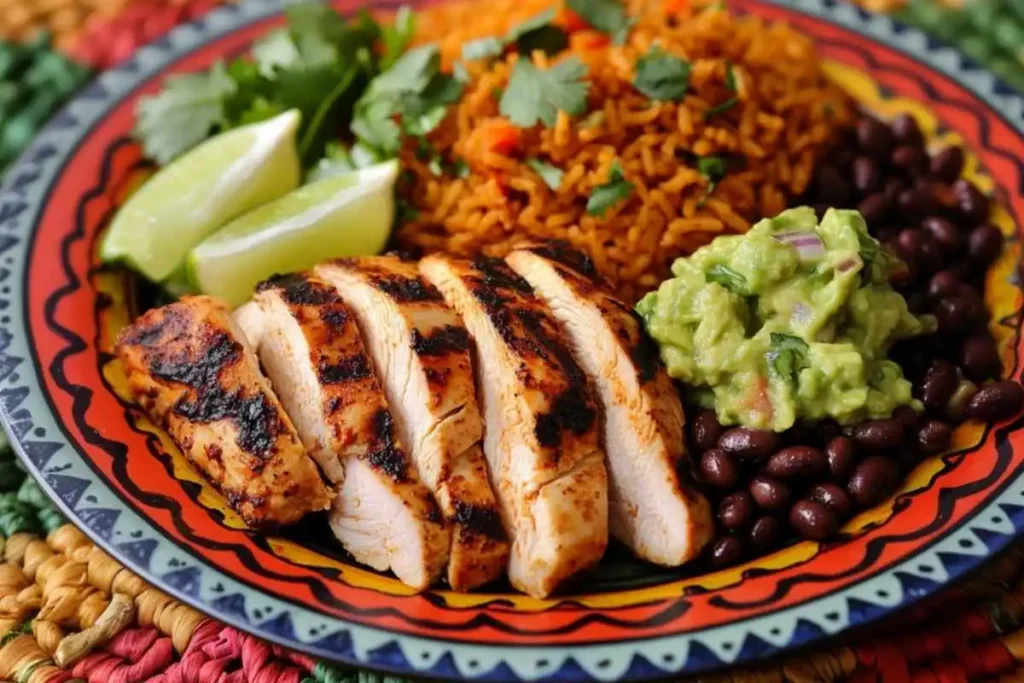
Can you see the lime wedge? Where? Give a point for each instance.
(200, 191)
(344, 215)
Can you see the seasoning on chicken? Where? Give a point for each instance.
(651, 509)
(190, 368)
(541, 423)
(310, 347)
(421, 351)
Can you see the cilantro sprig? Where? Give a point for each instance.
(319, 64)
(537, 95)
(551, 175)
(607, 16)
(787, 355)
(536, 33)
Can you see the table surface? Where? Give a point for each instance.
(69, 612)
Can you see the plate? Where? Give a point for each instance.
(62, 397)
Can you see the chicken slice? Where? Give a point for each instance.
(651, 508)
(190, 368)
(310, 347)
(540, 433)
(421, 352)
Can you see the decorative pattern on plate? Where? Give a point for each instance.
(128, 488)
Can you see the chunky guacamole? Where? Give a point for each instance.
(792, 320)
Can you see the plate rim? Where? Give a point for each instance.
(36, 169)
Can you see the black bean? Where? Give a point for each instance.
(706, 430)
(995, 401)
(797, 461)
(947, 164)
(726, 551)
(874, 137)
(979, 357)
(911, 160)
(958, 315)
(892, 187)
(766, 532)
(875, 207)
(945, 234)
(842, 456)
(945, 283)
(934, 437)
(873, 480)
(918, 303)
(878, 435)
(831, 188)
(908, 244)
(984, 244)
(719, 469)
(769, 493)
(736, 510)
(906, 416)
(813, 520)
(832, 496)
(866, 176)
(940, 381)
(972, 204)
(906, 131)
(748, 443)
(930, 257)
(917, 202)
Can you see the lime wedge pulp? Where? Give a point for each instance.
(344, 215)
(202, 190)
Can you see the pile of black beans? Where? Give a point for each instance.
(768, 488)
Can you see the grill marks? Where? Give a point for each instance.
(480, 520)
(255, 416)
(300, 290)
(441, 341)
(385, 455)
(346, 370)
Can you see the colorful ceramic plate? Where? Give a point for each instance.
(113, 473)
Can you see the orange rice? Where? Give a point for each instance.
(786, 113)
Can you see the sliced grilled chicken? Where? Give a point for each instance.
(421, 352)
(540, 423)
(651, 508)
(311, 349)
(189, 366)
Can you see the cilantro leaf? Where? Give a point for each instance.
(397, 36)
(482, 48)
(714, 169)
(730, 78)
(551, 175)
(662, 76)
(607, 16)
(721, 108)
(788, 355)
(274, 51)
(184, 113)
(538, 33)
(605, 196)
(728, 278)
(536, 95)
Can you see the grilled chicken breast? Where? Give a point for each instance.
(651, 509)
(190, 368)
(540, 438)
(312, 351)
(421, 352)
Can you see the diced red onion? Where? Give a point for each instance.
(807, 244)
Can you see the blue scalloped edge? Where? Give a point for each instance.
(59, 468)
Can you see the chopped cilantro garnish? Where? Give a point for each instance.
(551, 175)
(728, 278)
(714, 169)
(397, 37)
(720, 108)
(662, 76)
(537, 95)
(459, 168)
(435, 166)
(730, 78)
(461, 73)
(607, 16)
(788, 355)
(605, 196)
(482, 48)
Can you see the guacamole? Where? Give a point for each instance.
(792, 320)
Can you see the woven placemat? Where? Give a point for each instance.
(69, 612)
